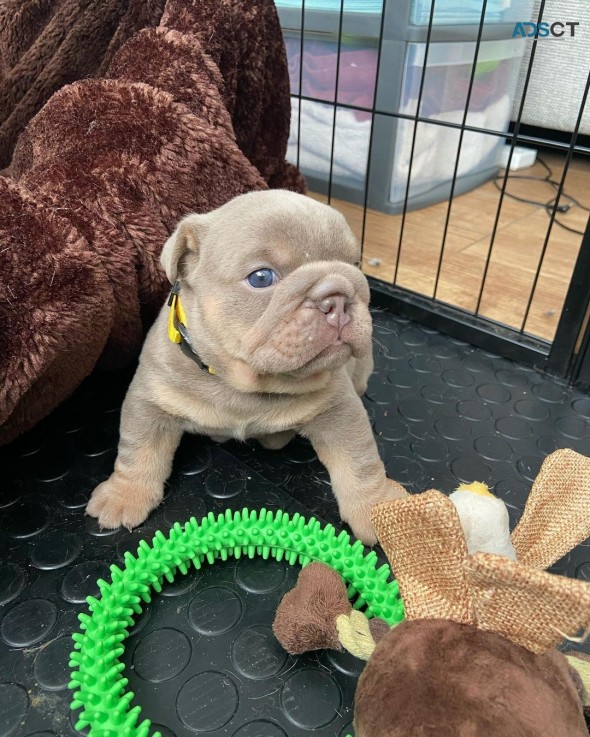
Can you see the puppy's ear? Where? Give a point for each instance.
(182, 245)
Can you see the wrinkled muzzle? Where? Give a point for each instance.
(317, 315)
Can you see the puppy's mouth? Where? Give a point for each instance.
(332, 354)
(337, 347)
(338, 343)
(310, 344)
(331, 357)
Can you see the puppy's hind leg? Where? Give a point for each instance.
(148, 440)
(276, 440)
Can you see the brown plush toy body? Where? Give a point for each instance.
(476, 656)
(435, 677)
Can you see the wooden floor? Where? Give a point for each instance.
(515, 255)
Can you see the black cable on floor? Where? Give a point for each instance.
(551, 203)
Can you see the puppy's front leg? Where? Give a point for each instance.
(343, 439)
(148, 440)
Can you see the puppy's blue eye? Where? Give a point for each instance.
(261, 278)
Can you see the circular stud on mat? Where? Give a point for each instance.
(97, 679)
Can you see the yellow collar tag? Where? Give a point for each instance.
(176, 317)
(176, 314)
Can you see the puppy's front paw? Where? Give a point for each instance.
(119, 503)
(359, 516)
(362, 529)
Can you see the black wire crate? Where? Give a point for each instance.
(412, 117)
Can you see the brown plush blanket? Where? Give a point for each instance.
(188, 107)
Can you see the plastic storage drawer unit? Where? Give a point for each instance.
(466, 12)
(444, 97)
(446, 87)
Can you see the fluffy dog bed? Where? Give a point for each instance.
(190, 109)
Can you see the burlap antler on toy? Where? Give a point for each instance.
(423, 540)
(537, 610)
(425, 544)
(557, 513)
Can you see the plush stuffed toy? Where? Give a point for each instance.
(476, 655)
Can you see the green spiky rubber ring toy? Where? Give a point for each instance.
(97, 680)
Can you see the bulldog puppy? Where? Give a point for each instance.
(270, 305)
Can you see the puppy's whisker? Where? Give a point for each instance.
(387, 330)
(380, 344)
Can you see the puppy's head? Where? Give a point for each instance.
(271, 286)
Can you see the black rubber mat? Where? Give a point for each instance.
(202, 657)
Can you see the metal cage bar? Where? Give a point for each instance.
(372, 130)
(413, 146)
(301, 53)
(509, 136)
(558, 195)
(461, 134)
(508, 163)
(335, 111)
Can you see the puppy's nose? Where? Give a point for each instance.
(334, 308)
